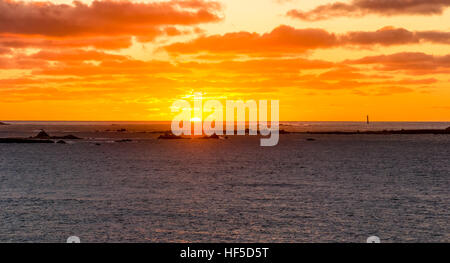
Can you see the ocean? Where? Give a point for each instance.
(334, 188)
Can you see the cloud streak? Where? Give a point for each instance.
(360, 8)
(288, 40)
(415, 63)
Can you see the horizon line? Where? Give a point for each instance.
(1, 120)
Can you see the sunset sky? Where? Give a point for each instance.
(129, 60)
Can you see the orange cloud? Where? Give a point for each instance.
(359, 8)
(133, 67)
(120, 80)
(388, 36)
(4, 50)
(21, 62)
(283, 39)
(106, 43)
(102, 18)
(258, 66)
(414, 63)
(288, 40)
(75, 55)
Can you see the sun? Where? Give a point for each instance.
(195, 119)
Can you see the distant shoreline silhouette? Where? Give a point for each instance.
(384, 132)
(41, 137)
(169, 135)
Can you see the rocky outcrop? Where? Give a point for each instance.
(43, 135)
(169, 136)
(2, 123)
(124, 140)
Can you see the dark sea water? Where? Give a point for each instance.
(338, 188)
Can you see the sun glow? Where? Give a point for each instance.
(131, 63)
(196, 119)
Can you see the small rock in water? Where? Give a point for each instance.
(124, 140)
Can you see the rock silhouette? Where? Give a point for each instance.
(124, 140)
(169, 136)
(2, 123)
(43, 135)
